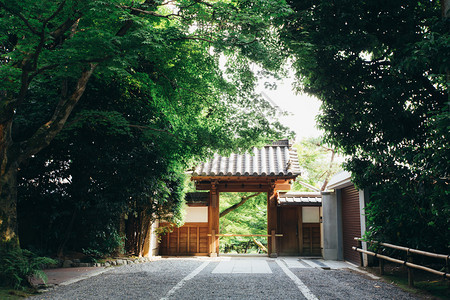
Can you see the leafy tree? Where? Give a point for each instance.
(380, 69)
(55, 49)
(318, 164)
(101, 165)
(250, 218)
(119, 153)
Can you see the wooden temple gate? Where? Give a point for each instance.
(270, 169)
(241, 184)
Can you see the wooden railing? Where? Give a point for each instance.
(408, 262)
(272, 236)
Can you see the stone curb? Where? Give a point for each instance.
(108, 263)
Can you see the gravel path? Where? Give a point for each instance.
(193, 278)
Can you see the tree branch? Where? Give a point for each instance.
(147, 12)
(204, 3)
(20, 16)
(45, 134)
(195, 38)
(57, 11)
(240, 203)
(66, 25)
(41, 70)
(325, 183)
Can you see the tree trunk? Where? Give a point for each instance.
(325, 182)
(240, 203)
(8, 189)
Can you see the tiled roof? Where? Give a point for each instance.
(278, 159)
(300, 198)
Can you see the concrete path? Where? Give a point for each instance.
(230, 278)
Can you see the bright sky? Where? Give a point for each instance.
(302, 108)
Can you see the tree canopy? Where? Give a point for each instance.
(318, 163)
(381, 71)
(166, 54)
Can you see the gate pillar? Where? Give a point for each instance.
(213, 220)
(272, 221)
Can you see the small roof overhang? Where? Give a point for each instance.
(299, 199)
(340, 180)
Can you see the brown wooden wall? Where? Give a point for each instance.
(351, 223)
(190, 239)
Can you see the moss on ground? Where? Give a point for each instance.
(10, 294)
(425, 284)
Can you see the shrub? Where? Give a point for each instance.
(18, 266)
(104, 243)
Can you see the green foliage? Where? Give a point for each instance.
(18, 266)
(155, 102)
(104, 243)
(102, 164)
(315, 160)
(380, 70)
(250, 218)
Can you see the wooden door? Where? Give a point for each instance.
(351, 223)
(288, 220)
(311, 239)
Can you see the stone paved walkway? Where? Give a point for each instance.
(230, 278)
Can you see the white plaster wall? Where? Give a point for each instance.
(196, 214)
(154, 245)
(310, 214)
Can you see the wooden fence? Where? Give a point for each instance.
(408, 262)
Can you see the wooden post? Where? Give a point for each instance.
(213, 244)
(272, 218)
(213, 219)
(410, 270)
(273, 243)
(381, 265)
(361, 257)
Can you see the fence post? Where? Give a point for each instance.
(274, 245)
(410, 270)
(361, 255)
(381, 265)
(447, 269)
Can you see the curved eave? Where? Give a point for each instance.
(244, 177)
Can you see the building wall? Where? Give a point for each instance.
(334, 219)
(196, 214)
(332, 245)
(301, 229)
(191, 238)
